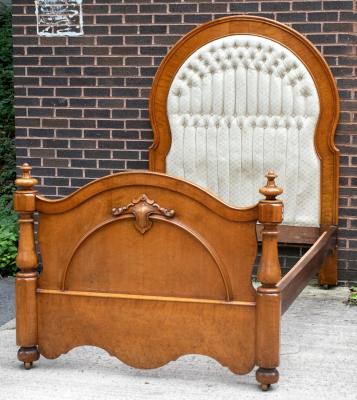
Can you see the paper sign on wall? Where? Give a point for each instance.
(59, 17)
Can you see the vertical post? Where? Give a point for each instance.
(328, 272)
(268, 297)
(26, 261)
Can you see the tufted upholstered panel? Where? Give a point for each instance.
(241, 105)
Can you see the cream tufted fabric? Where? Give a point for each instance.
(237, 107)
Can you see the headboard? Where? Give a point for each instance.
(238, 96)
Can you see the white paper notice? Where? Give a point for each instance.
(59, 17)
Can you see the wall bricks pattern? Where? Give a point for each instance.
(81, 102)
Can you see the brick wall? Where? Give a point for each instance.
(81, 102)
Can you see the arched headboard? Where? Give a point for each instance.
(238, 96)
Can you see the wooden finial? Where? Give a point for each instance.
(26, 181)
(270, 190)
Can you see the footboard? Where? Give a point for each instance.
(145, 266)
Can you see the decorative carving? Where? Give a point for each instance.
(141, 209)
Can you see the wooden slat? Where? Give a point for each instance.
(125, 296)
(297, 278)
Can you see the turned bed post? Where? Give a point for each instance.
(268, 296)
(26, 261)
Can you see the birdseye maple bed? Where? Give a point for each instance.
(154, 265)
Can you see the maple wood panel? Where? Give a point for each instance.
(133, 252)
(147, 332)
(84, 246)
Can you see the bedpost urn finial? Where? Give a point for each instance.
(270, 190)
(26, 181)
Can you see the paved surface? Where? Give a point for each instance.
(319, 361)
(7, 299)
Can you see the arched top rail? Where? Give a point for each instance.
(147, 179)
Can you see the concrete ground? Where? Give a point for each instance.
(7, 299)
(318, 361)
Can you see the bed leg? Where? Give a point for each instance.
(28, 355)
(328, 272)
(26, 278)
(268, 300)
(268, 336)
(266, 377)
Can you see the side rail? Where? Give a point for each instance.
(306, 268)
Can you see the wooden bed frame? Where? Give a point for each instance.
(134, 263)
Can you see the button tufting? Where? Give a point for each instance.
(306, 91)
(178, 92)
(258, 66)
(281, 73)
(239, 110)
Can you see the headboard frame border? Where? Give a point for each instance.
(303, 49)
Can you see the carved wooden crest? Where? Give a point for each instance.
(141, 209)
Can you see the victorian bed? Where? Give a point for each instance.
(154, 265)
